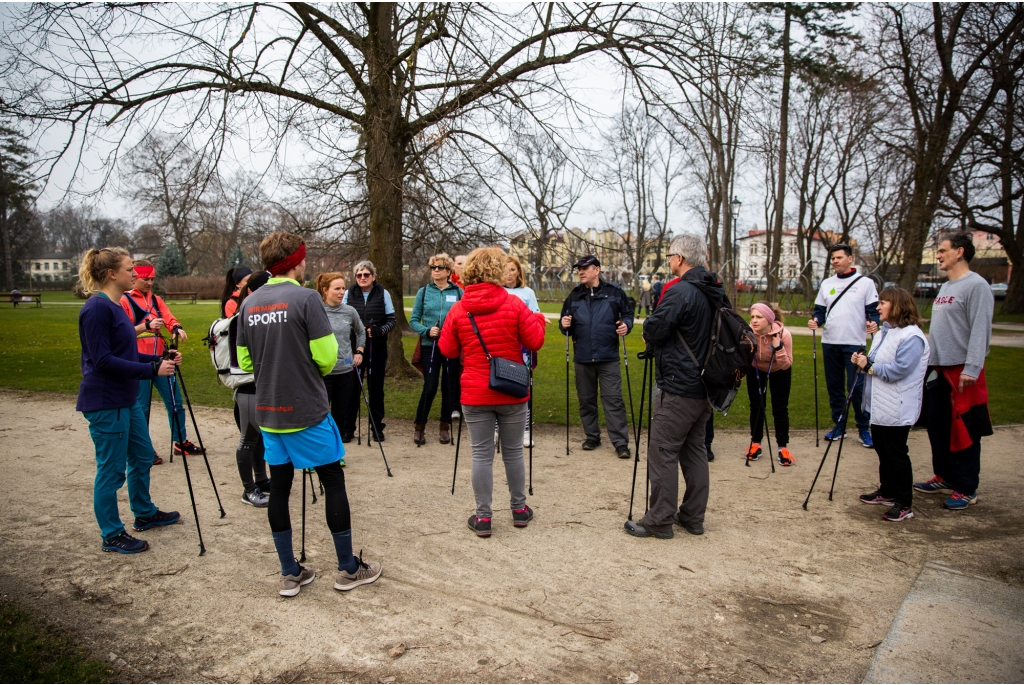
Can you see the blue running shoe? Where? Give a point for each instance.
(160, 518)
(834, 434)
(934, 485)
(125, 544)
(959, 500)
(865, 438)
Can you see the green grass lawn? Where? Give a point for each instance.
(33, 653)
(39, 350)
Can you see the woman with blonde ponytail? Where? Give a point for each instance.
(108, 398)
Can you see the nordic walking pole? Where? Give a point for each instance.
(188, 478)
(814, 348)
(629, 387)
(195, 427)
(529, 419)
(842, 437)
(764, 410)
(302, 557)
(567, 392)
(458, 444)
(311, 486)
(369, 375)
(373, 425)
(647, 464)
(636, 435)
(841, 422)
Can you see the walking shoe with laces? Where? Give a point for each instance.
(635, 529)
(520, 517)
(188, 448)
(482, 527)
(290, 585)
(692, 529)
(256, 498)
(160, 518)
(125, 544)
(623, 452)
(865, 438)
(591, 444)
(959, 500)
(786, 457)
(877, 497)
(754, 452)
(157, 460)
(365, 573)
(934, 485)
(834, 434)
(898, 512)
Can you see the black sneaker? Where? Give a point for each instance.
(591, 444)
(348, 437)
(877, 497)
(160, 518)
(623, 452)
(898, 512)
(520, 517)
(188, 448)
(711, 455)
(482, 527)
(125, 544)
(378, 438)
(690, 528)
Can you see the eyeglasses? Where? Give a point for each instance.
(363, 275)
(438, 267)
(670, 255)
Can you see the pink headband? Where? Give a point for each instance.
(765, 311)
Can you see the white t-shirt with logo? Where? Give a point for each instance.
(846, 323)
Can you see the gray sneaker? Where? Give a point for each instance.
(256, 498)
(364, 573)
(290, 585)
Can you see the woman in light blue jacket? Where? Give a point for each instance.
(428, 313)
(894, 372)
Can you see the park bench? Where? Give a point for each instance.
(22, 297)
(181, 296)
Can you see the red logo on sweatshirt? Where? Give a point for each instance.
(945, 299)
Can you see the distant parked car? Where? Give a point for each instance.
(744, 286)
(926, 289)
(999, 290)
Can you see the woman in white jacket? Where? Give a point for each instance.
(894, 386)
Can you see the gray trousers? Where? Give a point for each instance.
(588, 376)
(511, 420)
(677, 438)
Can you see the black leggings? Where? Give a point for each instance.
(335, 498)
(778, 385)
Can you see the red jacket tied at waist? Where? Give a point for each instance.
(506, 325)
(962, 401)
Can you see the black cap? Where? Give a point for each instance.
(589, 260)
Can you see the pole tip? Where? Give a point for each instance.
(805, 506)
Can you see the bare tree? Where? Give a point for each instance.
(937, 55)
(394, 72)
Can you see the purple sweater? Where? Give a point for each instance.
(111, 363)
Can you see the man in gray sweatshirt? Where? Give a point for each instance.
(956, 397)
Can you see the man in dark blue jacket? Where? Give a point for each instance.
(596, 314)
(681, 409)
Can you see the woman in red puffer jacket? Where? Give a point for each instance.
(507, 326)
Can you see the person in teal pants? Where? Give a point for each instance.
(108, 398)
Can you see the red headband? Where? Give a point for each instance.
(289, 262)
(145, 272)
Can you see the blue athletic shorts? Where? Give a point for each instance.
(305, 449)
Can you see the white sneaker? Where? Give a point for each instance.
(528, 438)
(256, 498)
(455, 416)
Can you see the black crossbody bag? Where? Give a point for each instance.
(507, 377)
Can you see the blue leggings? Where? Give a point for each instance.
(123, 448)
(163, 384)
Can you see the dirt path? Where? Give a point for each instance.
(770, 593)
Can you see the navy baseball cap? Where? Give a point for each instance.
(584, 262)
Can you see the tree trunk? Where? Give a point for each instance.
(386, 146)
(780, 197)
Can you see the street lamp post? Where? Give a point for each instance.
(734, 211)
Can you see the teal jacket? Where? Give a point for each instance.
(431, 306)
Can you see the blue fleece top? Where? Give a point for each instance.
(111, 363)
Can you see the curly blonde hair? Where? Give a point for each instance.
(443, 260)
(485, 265)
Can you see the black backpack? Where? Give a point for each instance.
(730, 354)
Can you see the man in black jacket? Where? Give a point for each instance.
(596, 314)
(680, 403)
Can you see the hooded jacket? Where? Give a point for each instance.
(594, 313)
(689, 308)
(783, 357)
(506, 326)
